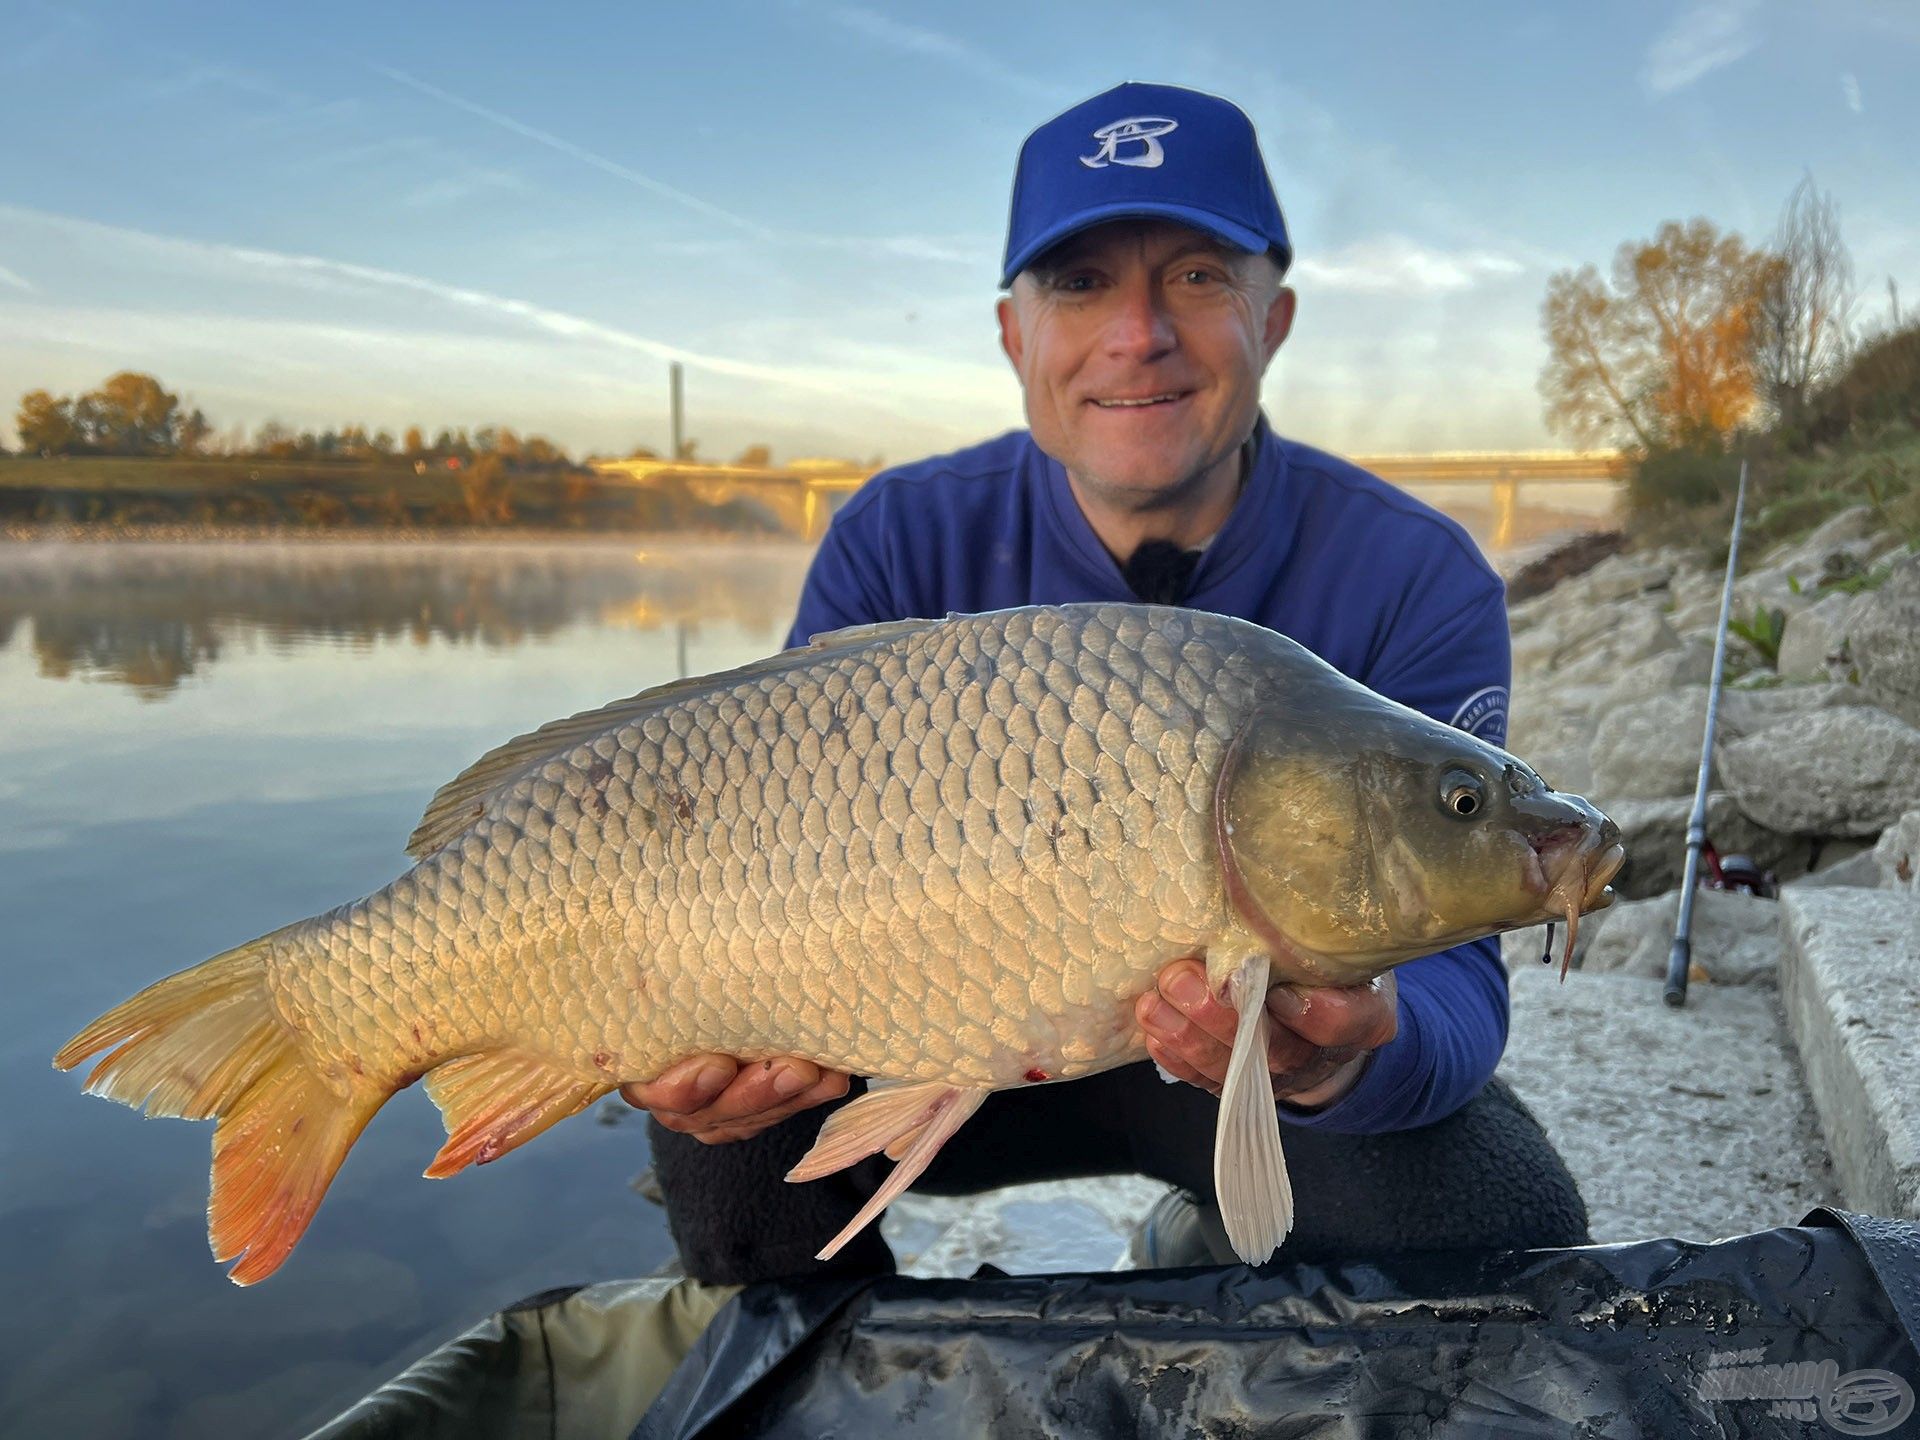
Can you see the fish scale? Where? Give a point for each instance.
(949, 855)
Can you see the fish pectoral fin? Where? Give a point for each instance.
(868, 1125)
(497, 1100)
(1249, 1170)
(936, 1112)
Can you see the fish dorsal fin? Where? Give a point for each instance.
(471, 793)
(856, 635)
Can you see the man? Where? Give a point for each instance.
(1145, 263)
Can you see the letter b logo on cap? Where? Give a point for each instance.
(1143, 130)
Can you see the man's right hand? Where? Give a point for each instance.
(715, 1098)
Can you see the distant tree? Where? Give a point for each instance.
(383, 442)
(1804, 333)
(45, 423)
(485, 489)
(507, 445)
(415, 445)
(642, 452)
(273, 440)
(758, 455)
(131, 414)
(191, 432)
(540, 453)
(1665, 353)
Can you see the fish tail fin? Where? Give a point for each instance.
(208, 1043)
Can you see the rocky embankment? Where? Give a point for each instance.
(1804, 1009)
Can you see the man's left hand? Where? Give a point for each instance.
(1317, 1044)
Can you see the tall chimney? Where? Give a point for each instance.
(679, 412)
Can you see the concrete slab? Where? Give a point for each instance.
(1850, 982)
(1690, 1122)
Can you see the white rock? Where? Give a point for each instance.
(1857, 869)
(1885, 642)
(1851, 770)
(1654, 833)
(1817, 637)
(1747, 712)
(1690, 664)
(1650, 749)
(1897, 856)
(1736, 937)
(1852, 530)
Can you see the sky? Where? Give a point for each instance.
(478, 213)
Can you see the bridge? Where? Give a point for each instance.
(803, 494)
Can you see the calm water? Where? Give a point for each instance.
(198, 744)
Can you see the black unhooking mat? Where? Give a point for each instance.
(1807, 1330)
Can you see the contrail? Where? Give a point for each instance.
(580, 153)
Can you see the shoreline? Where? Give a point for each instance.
(82, 534)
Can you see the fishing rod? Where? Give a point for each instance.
(1680, 959)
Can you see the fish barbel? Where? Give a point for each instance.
(947, 855)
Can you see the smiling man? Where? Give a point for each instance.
(1145, 266)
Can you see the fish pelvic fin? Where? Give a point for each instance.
(926, 1114)
(1249, 1168)
(209, 1043)
(497, 1100)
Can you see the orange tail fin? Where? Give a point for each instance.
(208, 1042)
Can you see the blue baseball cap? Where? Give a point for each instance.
(1157, 150)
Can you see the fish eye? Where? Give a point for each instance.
(1462, 794)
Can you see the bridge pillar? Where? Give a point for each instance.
(1506, 506)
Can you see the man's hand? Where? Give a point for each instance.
(1316, 1047)
(715, 1098)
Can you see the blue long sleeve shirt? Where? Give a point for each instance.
(1382, 587)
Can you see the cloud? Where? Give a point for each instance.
(1850, 89)
(1395, 265)
(18, 282)
(918, 40)
(1706, 36)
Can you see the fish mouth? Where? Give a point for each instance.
(1580, 881)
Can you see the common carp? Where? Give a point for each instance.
(947, 855)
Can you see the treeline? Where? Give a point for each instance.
(135, 415)
(1699, 346)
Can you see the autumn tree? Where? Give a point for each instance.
(131, 414)
(45, 423)
(1662, 355)
(485, 489)
(1804, 331)
(415, 445)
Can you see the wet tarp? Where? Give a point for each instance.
(1807, 1330)
(1800, 1331)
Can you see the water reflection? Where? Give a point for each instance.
(149, 614)
(265, 730)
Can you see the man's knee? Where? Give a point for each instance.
(1486, 1177)
(735, 1219)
